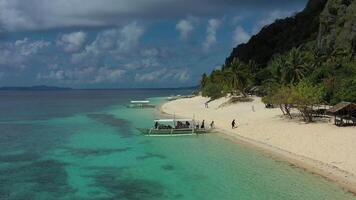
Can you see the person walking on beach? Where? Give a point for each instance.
(212, 124)
(202, 125)
(233, 124)
(206, 105)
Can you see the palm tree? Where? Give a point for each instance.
(217, 77)
(203, 80)
(239, 76)
(296, 66)
(276, 68)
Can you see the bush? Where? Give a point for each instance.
(305, 96)
(212, 90)
(346, 91)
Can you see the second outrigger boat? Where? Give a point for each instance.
(174, 127)
(140, 104)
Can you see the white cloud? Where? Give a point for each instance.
(270, 18)
(27, 48)
(211, 30)
(151, 52)
(84, 75)
(130, 35)
(184, 27)
(147, 58)
(240, 35)
(164, 74)
(72, 42)
(44, 14)
(237, 19)
(111, 42)
(105, 74)
(18, 52)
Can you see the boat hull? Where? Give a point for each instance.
(171, 132)
(140, 106)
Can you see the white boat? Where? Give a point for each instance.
(140, 104)
(174, 127)
(172, 98)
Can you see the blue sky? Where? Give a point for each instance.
(125, 43)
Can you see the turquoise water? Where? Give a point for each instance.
(87, 147)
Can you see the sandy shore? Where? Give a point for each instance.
(320, 148)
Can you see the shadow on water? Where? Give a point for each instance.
(21, 157)
(121, 125)
(23, 174)
(149, 155)
(167, 167)
(84, 152)
(38, 177)
(120, 185)
(30, 137)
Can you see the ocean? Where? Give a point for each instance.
(83, 145)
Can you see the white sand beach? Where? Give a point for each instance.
(321, 147)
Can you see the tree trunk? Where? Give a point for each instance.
(280, 106)
(287, 109)
(307, 115)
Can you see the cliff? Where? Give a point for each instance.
(282, 35)
(337, 28)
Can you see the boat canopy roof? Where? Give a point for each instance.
(140, 102)
(173, 120)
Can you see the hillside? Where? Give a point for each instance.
(312, 51)
(282, 35)
(337, 28)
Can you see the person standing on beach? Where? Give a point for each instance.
(202, 125)
(206, 105)
(233, 124)
(212, 124)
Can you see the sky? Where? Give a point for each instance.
(126, 43)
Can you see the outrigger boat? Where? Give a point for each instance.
(174, 127)
(172, 98)
(140, 104)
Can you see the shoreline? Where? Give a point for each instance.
(345, 179)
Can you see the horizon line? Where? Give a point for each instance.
(47, 87)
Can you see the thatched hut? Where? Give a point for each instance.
(345, 113)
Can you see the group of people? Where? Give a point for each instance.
(183, 125)
(233, 124)
(202, 126)
(187, 125)
(162, 126)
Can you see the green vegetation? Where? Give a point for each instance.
(301, 78)
(234, 78)
(318, 67)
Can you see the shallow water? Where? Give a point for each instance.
(84, 145)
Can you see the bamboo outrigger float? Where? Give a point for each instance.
(140, 104)
(174, 127)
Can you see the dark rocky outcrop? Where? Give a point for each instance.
(282, 35)
(337, 28)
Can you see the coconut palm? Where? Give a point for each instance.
(276, 68)
(239, 76)
(296, 66)
(203, 80)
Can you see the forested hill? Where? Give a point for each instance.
(282, 35)
(315, 50)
